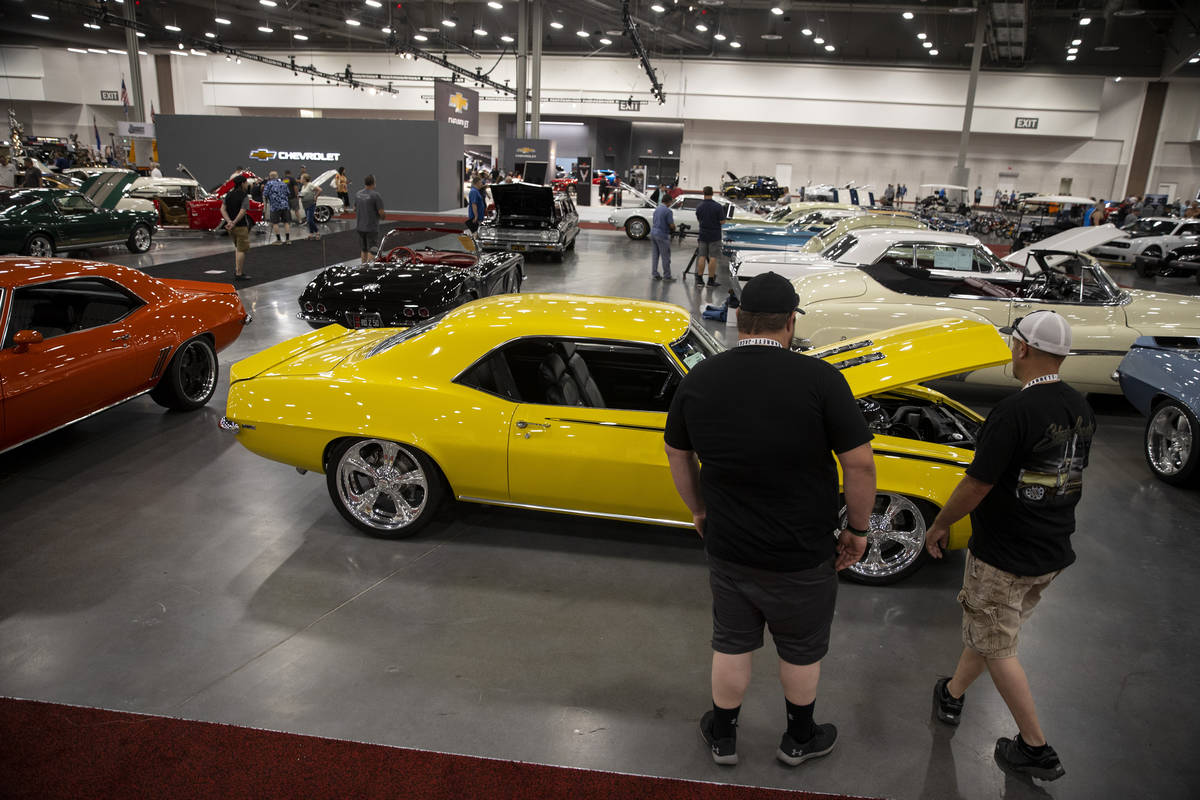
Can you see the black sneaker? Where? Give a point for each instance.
(724, 751)
(795, 753)
(949, 709)
(699, 280)
(658, 277)
(1014, 755)
(241, 277)
(668, 278)
(713, 282)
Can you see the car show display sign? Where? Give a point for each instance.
(456, 105)
(583, 189)
(515, 152)
(142, 129)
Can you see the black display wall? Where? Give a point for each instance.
(414, 162)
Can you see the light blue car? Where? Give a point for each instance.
(1160, 376)
(781, 237)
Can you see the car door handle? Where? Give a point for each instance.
(523, 424)
(123, 338)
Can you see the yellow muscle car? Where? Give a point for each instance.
(558, 403)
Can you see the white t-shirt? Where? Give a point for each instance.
(156, 173)
(8, 175)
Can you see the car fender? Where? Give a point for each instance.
(829, 322)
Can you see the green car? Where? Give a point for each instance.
(42, 222)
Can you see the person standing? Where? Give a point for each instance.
(342, 185)
(766, 504)
(1021, 490)
(616, 191)
(235, 210)
(978, 195)
(8, 173)
(309, 192)
(279, 199)
(709, 216)
(293, 185)
(475, 204)
(662, 225)
(33, 176)
(155, 172)
(368, 208)
(889, 196)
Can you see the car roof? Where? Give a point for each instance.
(19, 271)
(147, 180)
(915, 234)
(507, 316)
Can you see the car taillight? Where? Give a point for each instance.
(321, 308)
(308, 306)
(422, 312)
(409, 312)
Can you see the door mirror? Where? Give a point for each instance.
(22, 340)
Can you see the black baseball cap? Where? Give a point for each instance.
(769, 293)
(238, 180)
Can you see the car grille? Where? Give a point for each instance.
(509, 235)
(1118, 245)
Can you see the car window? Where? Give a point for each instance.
(986, 261)
(1192, 229)
(689, 203)
(62, 307)
(73, 203)
(960, 258)
(695, 346)
(840, 247)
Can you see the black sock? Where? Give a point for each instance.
(1028, 748)
(800, 721)
(725, 722)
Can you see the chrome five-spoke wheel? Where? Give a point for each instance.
(895, 541)
(382, 487)
(1171, 442)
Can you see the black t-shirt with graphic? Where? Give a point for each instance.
(1033, 448)
(765, 423)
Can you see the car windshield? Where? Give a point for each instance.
(1152, 227)
(695, 346)
(425, 243)
(779, 214)
(840, 247)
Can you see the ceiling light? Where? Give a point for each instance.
(506, 38)
(720, 37)
(1085, 20)
(420, 37)
(1072, 49)
(172, 28)
(81, 50)
(829, 48)
(806, 31)
(267, 3)
(353, 23)
(42, 17)
(479, 32)
(91, 25)
(386, 30)
(1192, 60)
(266, 29)
(582, 34)
(374, 3)
(606, 41)
(1070, 58)
(735, 44)
(300, 37)
(196, 52)
(770, 37)
(1076, 42)
(556, 25)
(933, 52)
(222, 21)
(921, 36)
(926, 45)
(208, 35)
(142, 53)
(700, 26)
(427, 30)
(657, 9)
(777, 11)
(116, 52)
(907, 15)
(141, 35)
(179, 45)
(94, 50)
(819, 40)
(178, 53)
(1118, 78)
(495, 5)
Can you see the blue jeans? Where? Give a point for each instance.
(310, 217)
(662, 248)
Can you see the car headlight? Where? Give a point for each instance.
(487, 233)
(549, 236)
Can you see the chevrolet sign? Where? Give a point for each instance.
(263, 154)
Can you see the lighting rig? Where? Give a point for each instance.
(639, 51)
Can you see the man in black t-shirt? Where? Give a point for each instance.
(766, 503)
(235, 210)
(1021, 491)
(709, 216)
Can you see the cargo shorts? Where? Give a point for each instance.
(241, 238)
(995, 604)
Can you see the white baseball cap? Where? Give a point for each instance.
(1046, 330)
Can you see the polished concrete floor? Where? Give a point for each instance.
(149, 563)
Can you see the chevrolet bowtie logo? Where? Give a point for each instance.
(263, 155)
(459, 102)
(526, 151)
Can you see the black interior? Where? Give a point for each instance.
(62, 307)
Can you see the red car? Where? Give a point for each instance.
(83, 336)
(205, 215)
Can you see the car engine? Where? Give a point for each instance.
(914, 418)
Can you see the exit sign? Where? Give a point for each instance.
(1028, 123)
(106, 95)
(629, 105)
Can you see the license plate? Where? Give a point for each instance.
(518, 247)
(366, 321)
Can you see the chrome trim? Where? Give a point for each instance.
(1099, 352)
(226, 424)
(77, 419)
(576, 512)
(858, 360)
(313, 318)
(603, 424)
(162, 361)
(846, 348)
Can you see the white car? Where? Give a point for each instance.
(328, 202)
(111, 185)
(941, 253)
(636, 220)
(1152, 237)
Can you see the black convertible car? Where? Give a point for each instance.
(1182, 261)
(403, 286)
(758, 187)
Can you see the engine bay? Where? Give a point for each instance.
(915, 418)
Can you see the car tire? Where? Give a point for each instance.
(1170, 443)
(412, 487)
(637, 228)
(190, 379)
(322, 214)
(140, 239)
(895, 541)
(1145, 264)
(40, 246)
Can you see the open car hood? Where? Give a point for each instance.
(1074, 240)
(525, 200)
(106, 189)
(913, 353)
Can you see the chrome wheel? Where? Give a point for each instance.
(322, 214)
(895, 541)
(1170, 441)
(382, 485)
(40, 247)
(636, 228)
(197, 371)
(140, 239)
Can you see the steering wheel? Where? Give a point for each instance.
(391, 254)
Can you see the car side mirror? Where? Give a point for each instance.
(22, 339)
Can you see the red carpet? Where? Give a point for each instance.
(54, 751)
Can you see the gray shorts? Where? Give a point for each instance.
(796, 606)
(280, 215)
(369, 239)
(708, 249)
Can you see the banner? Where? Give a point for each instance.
(583, 189)
(456, 105)
(144, 130)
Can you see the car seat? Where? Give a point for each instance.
(582, 375)
(558, 386)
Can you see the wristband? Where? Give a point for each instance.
(856, 531)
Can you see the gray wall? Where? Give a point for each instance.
(414, 162)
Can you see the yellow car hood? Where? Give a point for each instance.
(310, 354)
(912, 353)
